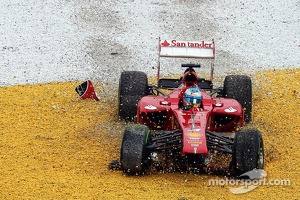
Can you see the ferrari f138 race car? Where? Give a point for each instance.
(185, 128)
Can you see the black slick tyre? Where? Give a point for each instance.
(133, 85)
(135, 157)
(248, 151)
(239, 87)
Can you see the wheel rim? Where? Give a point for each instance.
(260, 160)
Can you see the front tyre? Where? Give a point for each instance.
(248, 151)
(135, 157)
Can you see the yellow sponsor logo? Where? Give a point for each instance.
(195, 142)
(194, 134)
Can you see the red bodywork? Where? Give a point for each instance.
(219, 115)
(164, 113)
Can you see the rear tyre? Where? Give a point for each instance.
(135, 157)
(239, 87)
(248, 151)
(133, 85)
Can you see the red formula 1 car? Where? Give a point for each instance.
(187, 127)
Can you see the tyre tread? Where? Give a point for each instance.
(239, 87)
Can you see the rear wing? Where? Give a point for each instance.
(186, 49)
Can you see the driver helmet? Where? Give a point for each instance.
(192, 97)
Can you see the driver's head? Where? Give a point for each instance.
(192, 97)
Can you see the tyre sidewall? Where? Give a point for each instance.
(247, 151)
(135, 157)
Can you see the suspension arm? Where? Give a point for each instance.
(218, 143)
